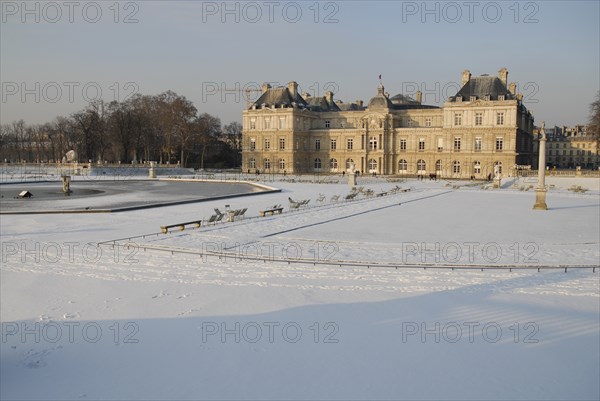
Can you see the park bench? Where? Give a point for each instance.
(181, 226)
(276, 209)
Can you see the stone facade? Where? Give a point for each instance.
(571, 147)
(483, 125)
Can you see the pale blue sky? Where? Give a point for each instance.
(551, 49)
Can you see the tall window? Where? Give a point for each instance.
(317, 163)
(267, 144)
(500, 118)
(478, 118)
(349, 143)
(477, 145)
(457, 143)
(317, 144)
(333, 164)
(428, 121)
(421, 144)
(281, 164)
(476, 167)
(349, 164)
(267, 122)
(438, 166)
(402, 166)
(498, 167)
(333, 144)
(403, 144)
(252, 163)
(456, 167)
(440, 144)
(281, 143)
(252, 144)
(327, 124)
(253, 123)
(457, 119)
(421, 167)
(499, 144)
(373, 143)
(281, 122)
(267, 164)
(372, 165)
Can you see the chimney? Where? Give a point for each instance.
(503, 75)
(359, 103)
(419, 97)
(265, 87)
(329, 97)
(466, 77)
(512, 88)
(293, 88)
(305, 95)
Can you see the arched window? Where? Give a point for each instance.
(281, 164)
(372, 165)
(402, 166)
(456, 167)
(317, 163)
(476, 167)
(438, 166)
(421, 166)
(252, 163)
(267, 164)
(333, 164)
(349, 164)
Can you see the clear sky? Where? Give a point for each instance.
(57, 55)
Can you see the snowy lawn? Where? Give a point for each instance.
(88, 321)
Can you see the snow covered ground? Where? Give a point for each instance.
(166, 318)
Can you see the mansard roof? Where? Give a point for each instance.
(280, 96)
(483, 86)
(320, 103)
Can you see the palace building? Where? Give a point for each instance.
(483, 126)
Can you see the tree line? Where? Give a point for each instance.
(166, 128)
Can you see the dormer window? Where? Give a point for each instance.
(487, 98)
(459, 98)
(473, 98)
(327, 124)
(500, 97)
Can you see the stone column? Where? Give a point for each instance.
(151, 172)
(540, 191)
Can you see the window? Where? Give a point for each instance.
(317, 163)
(372, 165)
(499, 144)
(267, 164)
(252, 144)
(267, 144)
(456, 167)
(498, 167)
(253, 123)
(281, 143)
(472, 98)
(476, 167)
(428, 121)
(349, 164)
(317, 144)
(500, 97)
(421, 144)
(267, 122)
(252, 163)
(333, 144)
(281, 164)
(402, 144)
(457, 119)
(457, 143)
(409, 122)
(333, 164)
(327, 124)
(486, 98)
(373, 143)
(402, 166)
(477, 146)
(438, 166)
(500, 118)
(349, 143)
(421, 167)
(440, 144)
(478, 118)
(281, 122)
